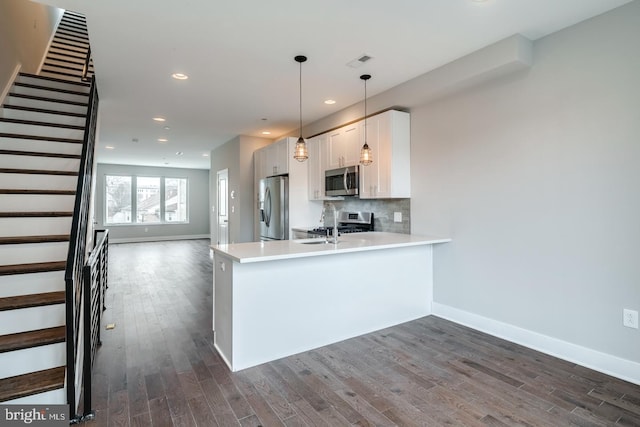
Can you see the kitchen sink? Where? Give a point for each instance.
(312, 241)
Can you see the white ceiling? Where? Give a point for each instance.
(239, 58)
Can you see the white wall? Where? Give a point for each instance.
(535, 177)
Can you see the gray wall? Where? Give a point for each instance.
(534, 175)
(198, 226)
(25, 31)
(236, 155)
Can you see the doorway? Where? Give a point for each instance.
(222, 208)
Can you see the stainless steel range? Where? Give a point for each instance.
(348, 222)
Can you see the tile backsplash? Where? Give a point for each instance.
(383, 210)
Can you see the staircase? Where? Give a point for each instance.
(42, 125)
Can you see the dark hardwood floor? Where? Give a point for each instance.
(158, 367)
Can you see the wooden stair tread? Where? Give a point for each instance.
(38, 192)
(29, 214)
(43, 110)
(40, 154)
(53, 79)
(32, 383)
(35, 267)
(38, 123)
(30, 339)
(34, 239)
(38, 171)
(32, 300)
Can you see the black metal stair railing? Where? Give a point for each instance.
(77, 291)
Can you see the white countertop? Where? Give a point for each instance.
(354, 242)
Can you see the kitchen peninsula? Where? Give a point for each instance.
(278, 298)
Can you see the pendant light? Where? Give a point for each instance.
(365, 152)
(300, 153)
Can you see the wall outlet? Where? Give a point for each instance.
(630, 318)
(397, 217)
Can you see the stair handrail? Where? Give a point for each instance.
(85, 67)
(76, 260)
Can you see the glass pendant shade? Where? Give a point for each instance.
(366, 157)
(300, 153)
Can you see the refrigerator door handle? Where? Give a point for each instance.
(267, 206)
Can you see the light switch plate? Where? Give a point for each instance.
(397, 217)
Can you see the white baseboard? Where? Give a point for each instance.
(7, 87)
(158, 238)
(606, 363)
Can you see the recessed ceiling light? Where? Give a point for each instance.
(266, 132)
(159, 119)
(109, 147)
(179, 153)
(179, 76)
(162, 140)
(330, 102)
(166, 127)
(205, 154)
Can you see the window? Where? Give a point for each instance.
(148, 199)
(158, 200)
(118, 199)
(175, 200)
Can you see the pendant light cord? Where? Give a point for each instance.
(300, 100)
(365, 111)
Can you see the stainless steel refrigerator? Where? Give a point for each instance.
(274, 208)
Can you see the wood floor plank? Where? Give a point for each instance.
(158, 367)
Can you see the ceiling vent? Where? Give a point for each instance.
(358, 62)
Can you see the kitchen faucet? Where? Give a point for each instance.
(323, 219)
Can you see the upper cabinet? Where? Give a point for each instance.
(389, 137)
(344, 146)
(273, 159)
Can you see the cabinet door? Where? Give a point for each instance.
(315, 168)
(282, 156)
(352, 144)
(336, 149)
(370, 174)
(260, 163)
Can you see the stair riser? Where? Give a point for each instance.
(57, 57)
(53, 84)
(73, 78)
(40, 146)
(57, 70)
(78, 43)
(9, 113)
(63, 52)
(34, 359)
(33, 252)
(53, 397)
(64, 45)
(32, 318)
(64, 62)
(50, 94)
(48, 105)
(36, 162)
(13, 227)
(34, 283)
(51, 132)
(35, 203)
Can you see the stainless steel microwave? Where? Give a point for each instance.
(341, 181)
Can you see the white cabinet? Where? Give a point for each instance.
(344, 146)
(273, 159)
(317, 147)
(388, 136)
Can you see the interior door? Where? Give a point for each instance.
(223, 205)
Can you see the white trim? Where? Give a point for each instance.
(13, 78)
(606, 363)
(158, 238)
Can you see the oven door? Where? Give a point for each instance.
(341, 182)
